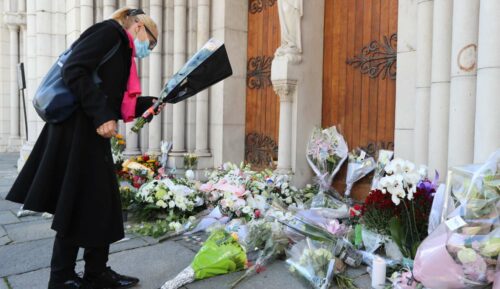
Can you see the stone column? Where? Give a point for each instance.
(132, 139)
(440, 87)
(423, 79)
(487, 125)
(285, 89)
(203, 35)
(191, 102)
(30, 70)
(99, 10)
(155, 81)
(14, 138)
(463, 82)
(179, 118)
(168, 50)
(86, 14)
(109, 6)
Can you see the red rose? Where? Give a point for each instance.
(145, 158)
(257, 214)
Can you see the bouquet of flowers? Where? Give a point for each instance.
(314, 261)
(279, 189)
(190, 161)
(384, 157)
(408, 228)
(465, 249)
(167, 204)
(236, 192)
(326, 152)
(117, 147)
(138, 170)
(401, 206)
(220, 254)
(268, 240)
(165, 149)
(358, 166)
(127, 194)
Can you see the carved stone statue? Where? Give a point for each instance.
(290, 14)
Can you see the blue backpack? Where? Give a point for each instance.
(53, 100)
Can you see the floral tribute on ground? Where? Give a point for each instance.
(408, 230)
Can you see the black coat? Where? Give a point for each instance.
(69, 172)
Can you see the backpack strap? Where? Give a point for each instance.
(106, 57)
(109, 54)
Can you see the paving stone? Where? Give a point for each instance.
(364, 282)
(8, 205)
(4, 189)
(153, 264)
(127, 245)
(28, 231)
(2, 232)
(3, 285)
(276, 276)
(32, 280)
(7, 217)
(24, 257)
(356, 272)
(5, 240)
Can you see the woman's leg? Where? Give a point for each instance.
(96, 260)
(62, 265)
(99, 276)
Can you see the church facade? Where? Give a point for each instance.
(419, 77)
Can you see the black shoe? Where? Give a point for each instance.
(109, 279)
(74, 283)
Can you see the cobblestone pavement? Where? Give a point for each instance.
(26, 247)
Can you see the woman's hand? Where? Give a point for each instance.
(108, 129)
(160, 108)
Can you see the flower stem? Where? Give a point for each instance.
(410, 223)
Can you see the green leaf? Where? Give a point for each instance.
(396, 230)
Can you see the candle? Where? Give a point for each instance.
(378, 273)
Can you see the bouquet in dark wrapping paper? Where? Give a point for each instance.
(207, 67)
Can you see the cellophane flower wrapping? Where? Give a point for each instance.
(384, 157)
(463, 251)
(264, 240)
(313, 261)
(220, 254)
(326, 151)
(359, 165)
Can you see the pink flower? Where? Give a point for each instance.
(207, 187)
(335, 227)
(257, 214)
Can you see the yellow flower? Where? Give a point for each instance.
(121, 142)
(119, 136)
(235, 236)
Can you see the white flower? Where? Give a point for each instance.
(422, 171)
(161, 204)
(408, 167)
(176, 226)
(289, 200)
(246, 210)
(171, 204)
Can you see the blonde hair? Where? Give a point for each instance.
(121, 16)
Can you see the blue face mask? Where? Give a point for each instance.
(141, 48)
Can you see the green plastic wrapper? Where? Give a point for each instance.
(221, 254)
